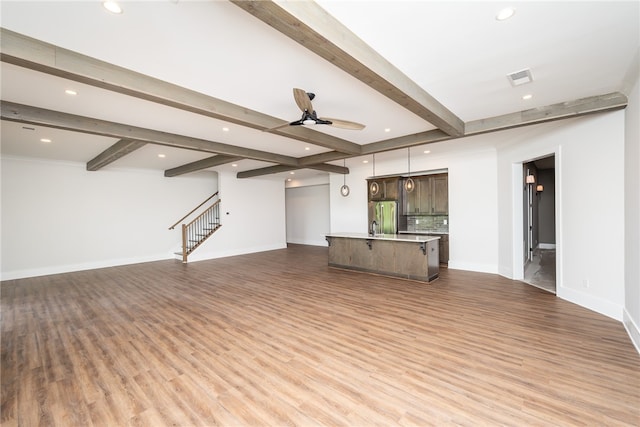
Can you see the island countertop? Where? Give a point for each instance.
(394, 237)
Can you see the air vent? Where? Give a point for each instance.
(520, 77)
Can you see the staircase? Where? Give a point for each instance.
(201, 228)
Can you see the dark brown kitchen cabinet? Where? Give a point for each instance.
(429, 197)
(443, 246)
(387, 189)
(440, 194)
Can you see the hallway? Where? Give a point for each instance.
(541, 271)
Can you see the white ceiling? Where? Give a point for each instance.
(456, 51)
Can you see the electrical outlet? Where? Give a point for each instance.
(585, 283)
(417, 221)
(445, 222)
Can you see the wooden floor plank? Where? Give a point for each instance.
(279, 338)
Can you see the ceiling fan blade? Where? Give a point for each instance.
(302, 99)
(344, 124)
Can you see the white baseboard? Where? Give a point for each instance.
(480, 268)
(70, 268)
(591, 302)
(207, 255)
(632, 329)
(308, 242)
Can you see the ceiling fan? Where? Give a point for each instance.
(309, 116)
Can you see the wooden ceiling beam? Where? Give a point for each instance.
(209, 162)
(113, 153)
(36, 55)
(563, 110)
(270, 170)
(311, 26)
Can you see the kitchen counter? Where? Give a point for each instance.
(413, 257)
(396, 237)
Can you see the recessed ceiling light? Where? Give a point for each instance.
(292, 173)
(527, 96)
(387, 129)
(46, 140)
(235, 165)
(505, 13)
(225, 129)
(70, 92)
(112, 7)
(162, 156)
(288, 179)
(426, 151)
(365, 161)
(307, 148)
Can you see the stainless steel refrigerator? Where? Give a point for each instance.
(385, 214)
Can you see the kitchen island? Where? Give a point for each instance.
(400, 255)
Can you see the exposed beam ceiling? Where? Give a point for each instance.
(307, 24)
(39, 116)
(311, 26)
(36, 55)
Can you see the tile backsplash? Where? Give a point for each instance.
(427, 223)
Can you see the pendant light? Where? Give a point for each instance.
(374, 188)
(409, 185)
(344, 190)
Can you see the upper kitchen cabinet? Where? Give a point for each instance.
(440, 194)
(387, 189)
(429, 197)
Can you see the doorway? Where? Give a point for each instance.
(539, 226)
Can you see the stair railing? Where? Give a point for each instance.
(193, 210)
(201, 228)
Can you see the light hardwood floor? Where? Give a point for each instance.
(278, 338)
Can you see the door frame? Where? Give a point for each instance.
(518, 244)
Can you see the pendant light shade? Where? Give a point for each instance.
(374, 188)
(344, 190)
(409, 185)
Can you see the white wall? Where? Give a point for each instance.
(252, 213)
(632, 214)
(307, 209)
(58, 217)
(473, 210)
(589, 205)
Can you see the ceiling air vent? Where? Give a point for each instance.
(520, 77)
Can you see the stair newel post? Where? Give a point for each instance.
(184, 243)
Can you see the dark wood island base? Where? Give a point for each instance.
(406, 256)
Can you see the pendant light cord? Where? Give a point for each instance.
(344, 175)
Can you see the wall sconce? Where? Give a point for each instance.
(539, 188)
(530, 179)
